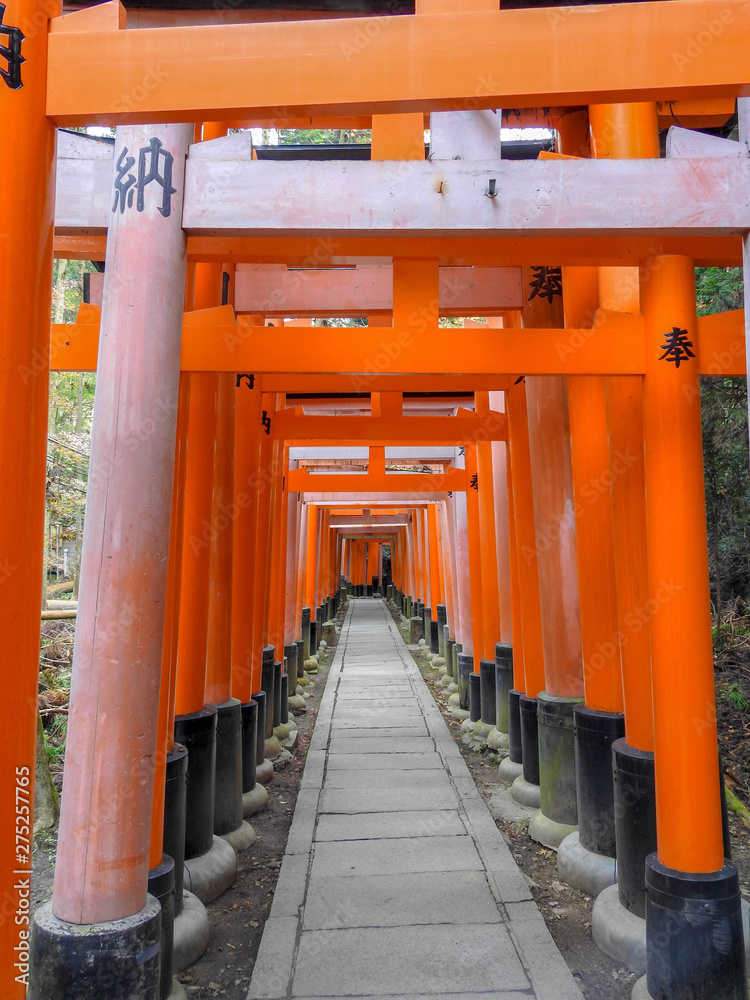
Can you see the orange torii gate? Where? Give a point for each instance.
(86, 70)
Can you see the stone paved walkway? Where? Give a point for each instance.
(396, 881)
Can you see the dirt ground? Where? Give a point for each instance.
(238, 917)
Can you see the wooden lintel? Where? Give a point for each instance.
(357, 66)
(443, 198)
(365, 363)
(295, 430)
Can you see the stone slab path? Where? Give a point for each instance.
(396, 881)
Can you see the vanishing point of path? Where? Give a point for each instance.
(396, 881)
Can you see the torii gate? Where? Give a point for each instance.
(483, 212)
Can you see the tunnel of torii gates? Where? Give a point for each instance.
(536, 476)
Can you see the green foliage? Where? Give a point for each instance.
(322, 136)
(71, 403)
(725, 453)
(736, 697)
(54, 738)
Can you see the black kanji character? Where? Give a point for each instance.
(546, 283)
(124, 182)
(155, 152)
(11, 53)
(249, 379)
(266, 421)
(474, 482)
(127, 184)
(676, 347)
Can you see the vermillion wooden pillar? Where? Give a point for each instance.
(248, 430)
(102, 862)
(629, 131)
(290, 592)
(171, 632)
(502, 543)
(474, 536)
(219, 639)
(312, 549)
(599, 722)
(301, 587)
(690, 863)
(486, 504)
(27, 206)
(191, 657)
(687, 777)
(449, 570)
(434, 543)
(593, 515)
(440, 553)
(529, 638)
(278, 543)
(271, 482)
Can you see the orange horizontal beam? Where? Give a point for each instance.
(615, 348)
(311, 251)
(294, 429)
(300, 481)
(356, 66)
(721, 343)
(449, 382)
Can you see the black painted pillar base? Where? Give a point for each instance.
(313, 638)
(694, 941)
(488, 706)
(557, 759)
(228, 781)
(161, 887)
(116, 960)
(503, 683)
(442, 620)
(515, 745)
(594, 733)
(277, 672)
(260, 728)
(173, 843)
(197, 732)
(290, 653)
(434, 643)
(635, 821)
(284, 699)
(266, 685)
(475, 697)
(249, 744)
(465, 670)
(306, 633)
(529, 738)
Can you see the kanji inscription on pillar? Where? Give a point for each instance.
(676, 347)
(154, 167)
(266, 421)
(249, 380)
(546, 283)
(474, 482)
(10, 54)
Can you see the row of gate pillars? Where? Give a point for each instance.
(608, 597)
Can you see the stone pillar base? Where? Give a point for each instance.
(243, 837)
(617, 932)
(584, 869)
(212, 873)
(547, 831)
(191, 932)
(255, 801)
